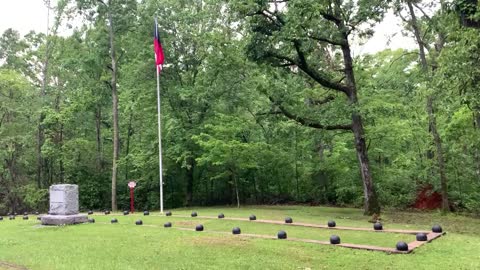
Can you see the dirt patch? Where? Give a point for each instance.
(218, 241)
(11, 266)
(186, 223)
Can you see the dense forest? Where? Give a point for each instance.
(263, 102)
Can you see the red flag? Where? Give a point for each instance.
(157, 45)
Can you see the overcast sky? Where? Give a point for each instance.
(23, 15)
(26, 15)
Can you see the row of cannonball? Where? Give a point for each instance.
(331, 223)
(334, 239)
(12, 216)
(126, 212)
(24, 213)
(199, 227)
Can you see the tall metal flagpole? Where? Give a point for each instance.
(159, 132)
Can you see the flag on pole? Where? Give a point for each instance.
(157, 45)
(159, 58)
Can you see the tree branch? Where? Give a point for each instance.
(320, 78)
(109, 84)
(307, 122)
(322, 39)
(267, 113)
(330, 17)
(422, 11)
(321, 101)
(270, 16)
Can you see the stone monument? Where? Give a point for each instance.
(63, 206)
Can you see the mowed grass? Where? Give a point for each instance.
(126, 246)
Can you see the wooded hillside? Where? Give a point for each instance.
(263, 101)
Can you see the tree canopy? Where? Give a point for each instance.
(263, 102)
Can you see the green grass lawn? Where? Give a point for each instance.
(125, 246)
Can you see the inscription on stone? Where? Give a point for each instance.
(57, 196)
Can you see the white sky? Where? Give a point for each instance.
(26, 15)
(387, 35)
(23, 15)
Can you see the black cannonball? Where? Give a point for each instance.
(90, 212)
(378, 226)
(282, 235)
(437, 229)
(138, 222)
(334, 239)
(167, 225)
(252, 217)
(107, 212)
(402, 246)
(194, 214)
(288, 220)
(331, 223)
(221, 215)
(11, 217)
(168, 213)
(25, 217)
(1, 218)
(91, 220)
(39, 218)
(146, 213)
(114, 220)
(199, 228)
(236, 230)
(126, 212)
(422, 237)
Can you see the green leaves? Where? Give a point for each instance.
(221, 133)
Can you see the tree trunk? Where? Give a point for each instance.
(40, 132)
(441, 162)
(430, 109)
(40, 141)
(190, 175)
(98, 130)
(255, 187)
(477, 150)
(62, 168)
(210, 198)
(58, 139)
(116, 139)
(41, 162)
(296, 165)
(235, 185)
(477, 118)
(127, 152)
(371, 203)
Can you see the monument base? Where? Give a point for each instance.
(64, 219)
